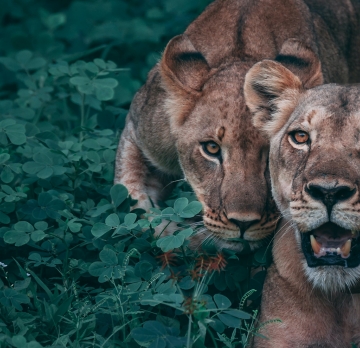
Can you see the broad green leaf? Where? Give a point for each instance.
(171, 242)
(4, 218)
(11, 298)
(100, 229)
(167, 212)
(45, 173)
(10, 64)
(16, 134)
(145, 269)
(36, 63)
(143, 335)
(7, 175)
(93, 156)
(43, 158)
(19, 341)
(222, 302)
(86, 89)
(155, 326)
(186, 283)
(229, 320)
(108, 82)
(44, 199)
(16, 237)
(41, 225)
(156, 222)
(185, 233)
(100, 63)
(112, 220)
(191, 210)
(98, 268)
(25, 113)
(53, 21)
(130, 219)
(4, 157)
(238, 313)
(23, 226)
(35, 257)
(79, 80)
(23, 57)
(158, 343)
(22, 284)
(32, 167)
(217, 325)
(104, 93)
(74, 226)
(143, 223)
(180, 204)
(92, 67)
(38, 235)
(108, 256)
(118, 194)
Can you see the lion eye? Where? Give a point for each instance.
(300, 137)
(211, 148)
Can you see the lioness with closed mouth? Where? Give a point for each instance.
(190, 120)
(315, 173)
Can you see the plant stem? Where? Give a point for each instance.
(212, 336)
(188, 344)
(164, 229)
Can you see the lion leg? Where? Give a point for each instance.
(132, 171)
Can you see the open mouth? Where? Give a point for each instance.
(331, 245)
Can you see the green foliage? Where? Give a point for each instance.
(77, 268)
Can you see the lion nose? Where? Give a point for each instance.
(330, 195)
(243, 225)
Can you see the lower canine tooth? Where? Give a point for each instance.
(315, 245)
(345, 249)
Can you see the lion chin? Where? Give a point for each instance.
(332, 257)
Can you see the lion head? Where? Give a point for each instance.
(315, 167)
(222, 155)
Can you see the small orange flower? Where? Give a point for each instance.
(167, 259)
(173, 276)
(202, 263)
(218, 263)
(195, 274)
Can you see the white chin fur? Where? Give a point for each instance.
(331, 279)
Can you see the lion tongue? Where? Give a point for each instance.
(320, 250)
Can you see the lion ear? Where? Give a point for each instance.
(302, 61)
(183, 69)
(271, 93)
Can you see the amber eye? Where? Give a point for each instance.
(300, 137)
(211, 148)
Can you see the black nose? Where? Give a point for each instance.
(243, 225)
(330, 196)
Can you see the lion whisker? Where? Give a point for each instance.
(172, 182)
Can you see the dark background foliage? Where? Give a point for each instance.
(77, 268)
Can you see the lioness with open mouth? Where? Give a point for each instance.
(315, 174)
(190, 120)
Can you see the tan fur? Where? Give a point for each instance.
(197, 88)
(315, 304)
